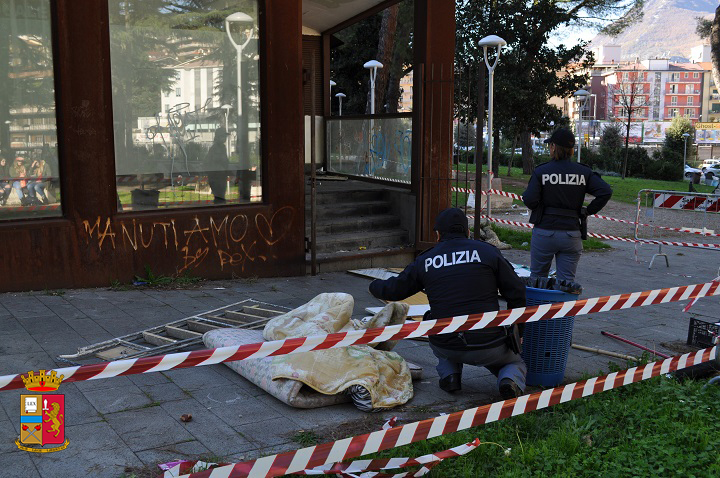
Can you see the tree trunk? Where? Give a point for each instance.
(397, 70)
(386, 46)
(527, 157)
(512, 154)
(715, 46)
(627, 140)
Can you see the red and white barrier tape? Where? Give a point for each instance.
(161, 363)
(597, 216)
(426, 462)
(605, 236)
(341, 450)
(665, 228)
(363, 468)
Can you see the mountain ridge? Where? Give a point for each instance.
(667, 30)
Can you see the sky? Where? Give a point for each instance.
(571, 36)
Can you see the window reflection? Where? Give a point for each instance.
(29, 182)
(185, 102)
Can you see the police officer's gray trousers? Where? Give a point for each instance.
(565, 246)
(500, 361)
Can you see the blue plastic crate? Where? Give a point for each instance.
(546, 343)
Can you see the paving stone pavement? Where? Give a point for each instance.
(134, 421)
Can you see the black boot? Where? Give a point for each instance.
(509, 389)
(451, 383)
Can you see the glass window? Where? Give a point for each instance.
(29, 182)
(204, 148)
(696, 75)
(378, 146)
(690, 100)
(673, 100)
(689, 89)
(689, 112)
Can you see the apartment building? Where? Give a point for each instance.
(710, 110)
(682, 90)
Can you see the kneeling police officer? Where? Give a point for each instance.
(463, 276)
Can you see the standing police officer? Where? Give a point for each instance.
(462, 276)
(555, 194)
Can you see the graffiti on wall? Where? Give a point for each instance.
(392, 149)
(232, 241)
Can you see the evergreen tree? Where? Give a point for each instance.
(530, 70)
(710, 30)
(674, 139)
(386, 37)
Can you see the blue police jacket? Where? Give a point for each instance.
(561, 185)
(460, 276)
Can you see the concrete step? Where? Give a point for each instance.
(369, 258)
(353, 241)
(337, 225)
(350, 209)
(347, 196)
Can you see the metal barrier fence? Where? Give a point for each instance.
(676, 215)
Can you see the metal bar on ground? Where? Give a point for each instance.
(617, 337)
(605, 352)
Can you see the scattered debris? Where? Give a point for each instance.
(180, 334)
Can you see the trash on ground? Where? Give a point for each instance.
(320, 378)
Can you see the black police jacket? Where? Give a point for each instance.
(562, 185)
(460, 276)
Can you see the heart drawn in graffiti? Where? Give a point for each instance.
(277, 227)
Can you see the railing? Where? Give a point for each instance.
(378, 147)
(48, 109)
(33, 127)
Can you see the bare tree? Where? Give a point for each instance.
(630, 95)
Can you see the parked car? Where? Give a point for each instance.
(711, 171)
(689, 171)
(709, 162)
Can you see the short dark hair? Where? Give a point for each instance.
(562, 152)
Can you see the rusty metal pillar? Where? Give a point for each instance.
(434, 48)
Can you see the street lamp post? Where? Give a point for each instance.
(685, 137)
(241, 19)
(373, 66)
(340, 97)
(580, 96)
(492, 41)
(594, 122)
(227, 109)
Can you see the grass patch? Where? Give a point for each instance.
(306, 438)
(660, 427)
(156, 281)
(521, 239)
(626, 190)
